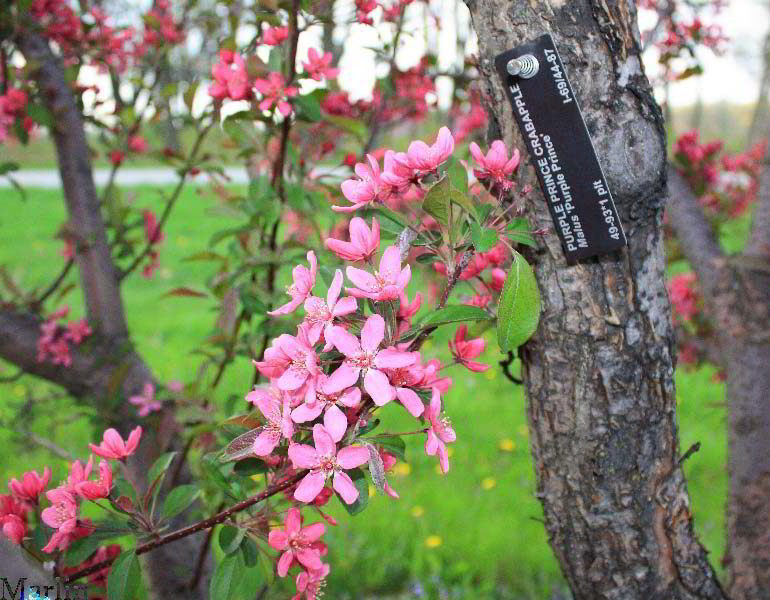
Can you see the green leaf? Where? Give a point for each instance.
(392, 444)
(7, 167)
(81, 549)
(230, 538)
(249, 551)
(519, 232)
(125, 577)
(458, 175)
(454, 314)
(359, 480)
(308, 108)
(518, 312)
(436, 201)
(227, 578)
(40, 115)
(160, 466)
(250, 466)
(179, 499)
(483, 239)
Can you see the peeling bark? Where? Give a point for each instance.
(600, 370)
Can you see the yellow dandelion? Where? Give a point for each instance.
(507, 445)
(488, 483)
(417, 511)
(402, 469)
(433, 541)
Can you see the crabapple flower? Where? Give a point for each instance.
(13, 527)
(77, 331)
(275, 93)
(93, 490)
(465, 350)
(363, 244)
(320, 315)
(293, 362)
(114, 447)
(304, 280)
(297, 544)
(424, 158)
(136, 143)
(367, 357)
(440, 432)
(62, 514)
(78, 473)
(498, 279)
(684, 297)
(274, 36)
(275, 408)
(230, 77)
(328, 400)
(398, 173)
(495, 165)
(310, 583)
(387, 284)
(402, 381)
(146, 402)
(31, 485)
(364, 190)
(325, 461)
(318, 67)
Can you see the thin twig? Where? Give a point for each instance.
(179, 534)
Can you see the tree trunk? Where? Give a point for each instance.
(600, 369)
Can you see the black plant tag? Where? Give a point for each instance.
(550, 121)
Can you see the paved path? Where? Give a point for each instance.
(49, 178)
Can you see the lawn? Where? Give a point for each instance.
(474, 533)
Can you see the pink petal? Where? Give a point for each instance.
(305, 412)
(342, 378)
(344, 486)
(292, 379)
(344, 341)
(390, 263)
(310, 486)
(362, 279)
(351, 457)
(390, 358)
(351, 397)
(293, 521)
(324, 443)
(334, 289)
(378, 387)
(284, 563)
(345, 306)
(411, 401)
(303, 456)
(266, 443)
(372, 333)
(309, 558)
(278, 539)
(312, 533)
(336, 423)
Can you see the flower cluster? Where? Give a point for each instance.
(13, 106)
(56, 337)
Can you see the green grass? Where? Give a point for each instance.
(474, 533)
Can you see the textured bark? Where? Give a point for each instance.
(600, 370)
(736, 292)
(105, 368)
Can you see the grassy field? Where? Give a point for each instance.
(474, 533)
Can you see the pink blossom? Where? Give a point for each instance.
(13, 518)
(310, 583)
(684, 297)
(364, 190)
(320, 315)
(116, 157)
(152, 231)
(495, 165)
(329, 401)
(136, 143)
(77, 331)
(230, 77)
(297, 544)
(367, 357)
(30, 486)
(398, 173)
(363, 244)
(293, 363)
(387, 284)
(498, 279)
(114, 447)
(146, 402)
(440, 432)
(93, 490)
(304, 280)
(426, 159)
(431, 378)
(274, 36)
(273, 404)
(403, 380)
(275, 93)
(325, 461)
(318, 67)
(62, 514)
(78, 474)
(464, 351)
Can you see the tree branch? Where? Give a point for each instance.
(216, 519)
(97, 272)
(695, 234)
(759, 238)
